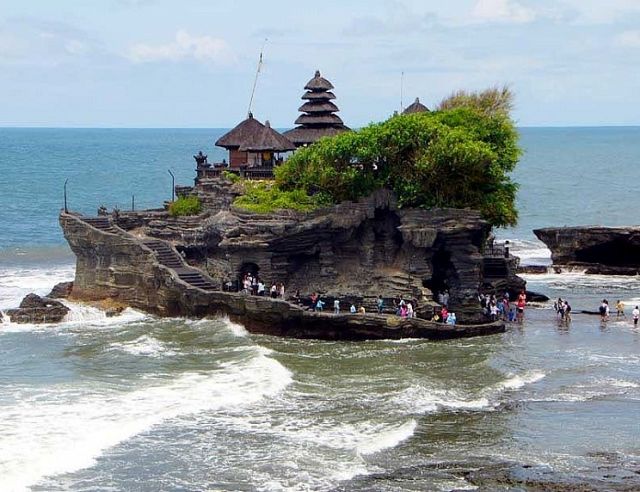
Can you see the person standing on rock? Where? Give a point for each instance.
(380, 304)
(336, 306)
(352, 309)
(636, 314)
(260, 288)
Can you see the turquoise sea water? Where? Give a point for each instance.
(139, 403)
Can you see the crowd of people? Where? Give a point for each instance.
(604, 311)
(502, 308)
(253, 284)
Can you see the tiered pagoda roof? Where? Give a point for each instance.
(318, 119)
(252, 136)
(416, 107)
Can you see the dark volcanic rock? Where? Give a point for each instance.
(607, 250)
(353, 251)
(36, 309)
(61, 290)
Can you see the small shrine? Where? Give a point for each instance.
(253, 144)
(416, 107)
(318, 119)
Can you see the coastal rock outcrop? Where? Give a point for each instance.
(353, 252)
(604, 250)
(36, 309)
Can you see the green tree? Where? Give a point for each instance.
(459, 156)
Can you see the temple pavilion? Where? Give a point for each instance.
(416, 107)
(253, 144)
(318, 118)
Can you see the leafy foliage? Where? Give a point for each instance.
(265, 197)
(233, 177)
(456, 157)
(185, 205)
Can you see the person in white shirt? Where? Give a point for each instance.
(336, 306)
(636, 314)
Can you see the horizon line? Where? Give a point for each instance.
(47, 127)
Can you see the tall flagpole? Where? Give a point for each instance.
(401, 91)
(255, 81)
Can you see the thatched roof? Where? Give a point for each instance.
(318, 107)
(318, 83)
(416, 107)
(306, 135)
(318, 119)
(311, 96)
(251, 135)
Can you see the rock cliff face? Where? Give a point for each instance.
(353, 251)
(117, 265)
(601, 249)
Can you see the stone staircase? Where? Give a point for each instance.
(168, 257)
(495, 268)
(164, 252)
(101, 223)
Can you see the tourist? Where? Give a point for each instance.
(603, 310)
(636, 314)
(336, 306)
(445, 299)
(410, 312)
(403, 311)
(254, 285)
(281, 291)
(260, 288)
(319, 305)
(493, 311)
(520, 305)
(274, 291)
(444, 313)
(352, 309)
(451, 319)
(314, 299)
(362, 310)
(380, 304)
(558, 307)
(619, 308)
(566, 311)
(512, 313)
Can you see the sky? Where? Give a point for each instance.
(192, 63)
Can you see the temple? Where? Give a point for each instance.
(252, 144)
(416, 107)
(318, 119)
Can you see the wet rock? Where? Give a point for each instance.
(533, 269)
(61, 290)
(602, 250)
(36, 309)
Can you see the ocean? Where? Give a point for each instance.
(141, 403)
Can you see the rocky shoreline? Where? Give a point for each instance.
(595, 249)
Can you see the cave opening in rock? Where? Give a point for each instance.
(246, 268)
(442, 272)
(618, 252)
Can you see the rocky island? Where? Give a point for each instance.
(597, 249)
(354, 232)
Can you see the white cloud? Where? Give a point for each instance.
(502, 11)
(628, 39)
(184, 47)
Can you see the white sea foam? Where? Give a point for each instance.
(15, 283)
(146, 346)
(235, 328)
(421, 399)
(530, 252)
(515, 382)
(63, 429)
